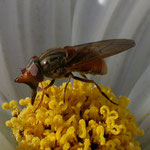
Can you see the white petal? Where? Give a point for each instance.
(140, 105)
(140, 96)
(91, 20)
(116, 19)
(147, 147)
(7, 140)
(144, 140)
(6, 83)
(5, 143)
(28, 28)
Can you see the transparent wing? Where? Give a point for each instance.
(107, 48)
(88, 56)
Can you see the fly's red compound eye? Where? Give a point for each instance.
(32, 73)
(23, 70)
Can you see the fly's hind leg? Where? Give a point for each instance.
(91, 81)
(83, 75)
(66, 86)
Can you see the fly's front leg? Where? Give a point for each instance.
(43, 89)
(83, 75)
(34, 92)
(91, 81)
(51, 83)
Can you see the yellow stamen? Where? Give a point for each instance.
(85, 121)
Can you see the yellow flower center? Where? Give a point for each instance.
(86, 120)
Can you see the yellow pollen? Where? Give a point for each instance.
(86, 120)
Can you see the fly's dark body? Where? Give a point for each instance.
(61, 62)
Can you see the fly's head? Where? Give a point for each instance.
(32, 74)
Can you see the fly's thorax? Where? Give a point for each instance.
(53, 61)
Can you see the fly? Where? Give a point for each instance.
(63, 61)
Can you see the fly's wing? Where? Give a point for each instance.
(108, 48)
(88, 57)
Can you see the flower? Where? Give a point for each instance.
(29, 28)
(85, 120)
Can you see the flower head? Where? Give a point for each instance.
(85, 120)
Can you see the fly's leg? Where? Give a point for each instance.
(43, 90)
(91, 81)
(66, 86)
(83, 75)
(51, 83)
(34, 92)
(40, 101)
